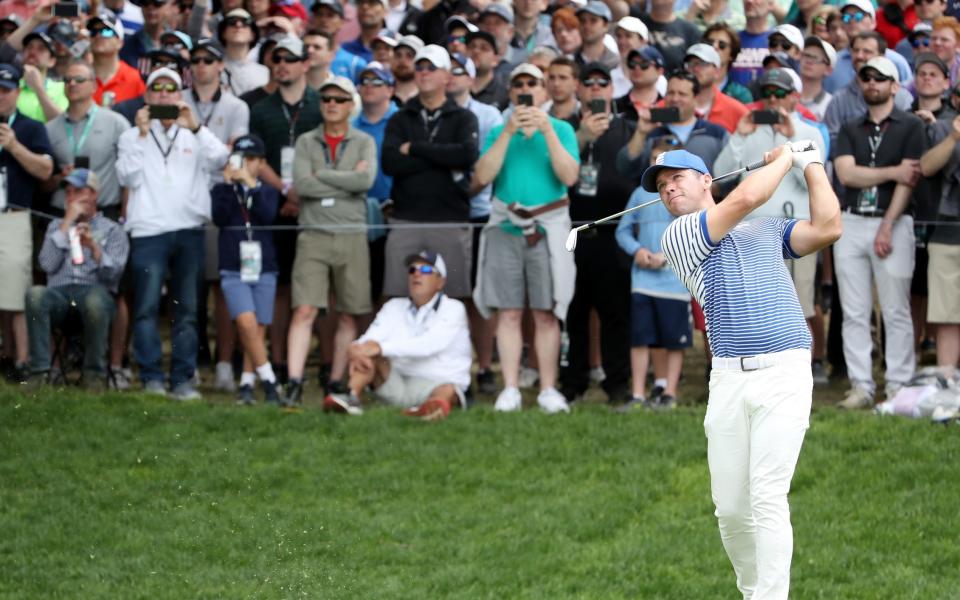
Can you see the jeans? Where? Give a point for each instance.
(151, 258)
(48, 307)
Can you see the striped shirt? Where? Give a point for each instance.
(741, 282)
(55, 260)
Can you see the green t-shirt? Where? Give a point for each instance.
(29, 105)
(527, 177)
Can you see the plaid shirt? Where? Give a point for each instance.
(55, 260)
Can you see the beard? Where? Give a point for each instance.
(876, 98)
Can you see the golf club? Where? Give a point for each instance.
(571, 243)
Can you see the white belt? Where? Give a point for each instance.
(753, 363)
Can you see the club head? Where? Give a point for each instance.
(571, 243)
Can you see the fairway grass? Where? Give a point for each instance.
(128, 496)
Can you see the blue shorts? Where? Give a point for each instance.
(660, 322)
(244, 297)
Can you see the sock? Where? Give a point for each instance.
(265, 371)
(661, 382)
(248, 378)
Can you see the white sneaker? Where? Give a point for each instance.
(509, 400)
(597, 374)
(551, 401)
(528, 377)
(122, 379)
(225, 381)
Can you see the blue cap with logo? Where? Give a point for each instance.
(379, 71)
(250, 145)
(82, 178)
(9, 76)
(675, 159)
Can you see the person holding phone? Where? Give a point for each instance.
(166, 162)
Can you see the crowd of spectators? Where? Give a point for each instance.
(387, 185)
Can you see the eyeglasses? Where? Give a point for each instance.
(519, 83)
(592, 82)
(286, 58)
(458, 71)
(767, 93)
(719, 44)
(164, 87)
(456, 38)
(207, 60)
(373, 81)
(920, 41)
(237, 22)
(104, 32)
(855, 17)
(780, 45)
(640, 64)
(813, 58)
(337, 99)
(77, 80)
(425, 66)
(422, 269)
(876, 77)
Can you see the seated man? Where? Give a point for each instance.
(83, 280)
(416, 353)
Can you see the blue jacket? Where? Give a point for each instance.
(225, 207)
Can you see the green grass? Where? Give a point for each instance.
(124, 496)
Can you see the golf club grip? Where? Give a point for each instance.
(756, 165)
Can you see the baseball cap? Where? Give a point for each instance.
(81, 178)
(165, 56)
(9, 76)
(379, 71)
(339, 82)
(291, 44)
(250, 145)
(634, 25)
(483, 35)
(882, 65)
(165, 72)
(333, 5)
(648, 53)
(437, 55)
(782, 58)
(526, 69)
(110, 21)
(291, 10)
(930, 58)
(459, 21)
(791, 33)
(431, 258)
(864, 5)
(210, 45)
(410, 41)
(920, 28)
(501, 10)
(385, 36)
(239, 13)
(704, 52)
(464, 61)
(675, 159)
(824, 45)
(179, 36)
(780, 78)
(11, 18)
(597, 8)
(593, 67)
(39, 35)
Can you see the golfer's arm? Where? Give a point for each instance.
(753, 192)
(825, 224)
(851, 174)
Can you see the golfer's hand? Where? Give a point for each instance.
(783, 152)
(883, 242)
(805, 153)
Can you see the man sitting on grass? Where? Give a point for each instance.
(416, 353)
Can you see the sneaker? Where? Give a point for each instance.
(528, 377)
(154, 387)
(323, 377)
(293, 394)
(655, 394)
(271, 395)
(347, 404)
(486, 381)
(819, 373)
(551, 401)
(855, 398)
(245, 395)
(185, 391)
(634, 404)
(434, 409)
(597, 375)
(120, 379)
(21, 373)
(336, 387)
(666, 402)
(509, 400)
(280, 370)
(224, 381)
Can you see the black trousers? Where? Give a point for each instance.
(603, 283)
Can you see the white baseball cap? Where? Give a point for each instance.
(165, 72)
(882, 65)
(864, 5)
(339, 82)
(790, 32)
(634, 25)
(704, 52)
(526, 69)
(824, 45)
(437, 55)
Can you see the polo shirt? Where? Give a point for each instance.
(243, 76)
(226, 115)
(125, 84)
(725, 111)
(347, 64)
(357, 48)
(100, 146)
(902, 137)
(29, 104)
(269, 121)
(20, 183)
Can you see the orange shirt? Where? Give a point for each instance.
(125, 84)
(725, 111)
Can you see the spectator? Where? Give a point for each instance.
(382, 47)
(878, 240)
(542, 56)
(41, 98)
(931, 82)
(84, 285)
(328, 18)
(370, 16)
(497, 20)
(566, 31)
(859, 16)
(403, 68)
(130, 15)
(595, 17)
(945, 42)
(238, 34)
(402, 17)
(671, 36)
(247, 261)
(754, 44)
(457, 29)
(918, 40)
(659, 303)
(24, 161)
(529, 31)
(645, 68)
(416, 354)
(727, 44)
(156, 13)
(630, 34)
(335, 165)
(166, 164)
(87, 132)
(264, 58)
(563, 75)
(224, 114)
(431, 27)
(816, 62)
(531, 160)
(712, 105)
(429, 149)
(116, 80)
(487, 86)
(602, 279)
(837, 34)
(896, 18)
(786, 39)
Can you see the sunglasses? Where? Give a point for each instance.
(780, 45)
(286, 58)
(207, 60)
(868, 77)
(855, 17)
(164, 87)
(768, 93)
(422, 269)
(920, 41)
(519, 84)
(104, 32)
(337, 99)
(458, 71)
(813, 58)
(78, 80)
(719, 44)
(640, 64)
(425, 66)
(456, 38)
(592, 82)
(237, 22)
(372, 81)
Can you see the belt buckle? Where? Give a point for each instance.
(743, 367)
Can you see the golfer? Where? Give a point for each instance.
(761, 383)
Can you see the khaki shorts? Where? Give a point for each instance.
(344, 259)
(404, 392)
(803, 270)
(943, 283)
(16, 254)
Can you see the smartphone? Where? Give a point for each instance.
(525, 99)
(81, 162)
(3, 119)
(66, 9)
(78, 49)
(164, 111)
(766, 117)
(671, 114)
(598, 106)
(236, 161)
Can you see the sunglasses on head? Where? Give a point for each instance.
(286, 58)
(855, 17)
(767, 93)
(719, 44)
(337, 99)
(373, 81)
(425, 66)
(237, 22)
(521, 83)
(597, 81)
(876, 77)
(78, 80)
(422, 269)
(104, 32)
(164, 87)
(207, 60)
(640, 64)
(920, 41)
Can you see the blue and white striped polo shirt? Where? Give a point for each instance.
(741, 282)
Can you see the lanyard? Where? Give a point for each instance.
(71, 131)
(215, 101)
(245, 200)
(427, 120)
(169, 148)
(875, 140)
(340, 148)
(291, 122)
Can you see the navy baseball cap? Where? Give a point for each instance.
(675, 159)
(379, 71)
(43, 37)
(648, 52)
(81, 178)
(9, 76)
(431, 258)
(250, 145)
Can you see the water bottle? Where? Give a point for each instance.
(76, 250)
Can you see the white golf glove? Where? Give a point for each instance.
(805, 153)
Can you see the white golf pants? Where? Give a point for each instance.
(755, 424)
(858, 267)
